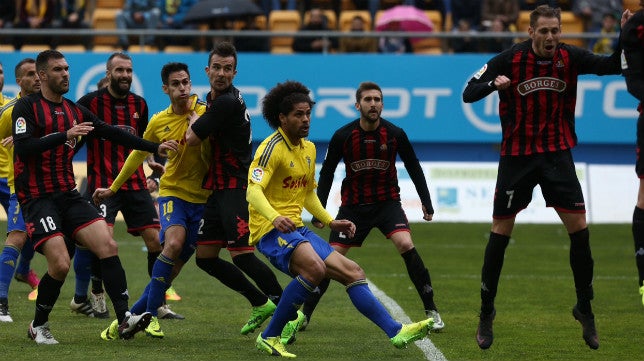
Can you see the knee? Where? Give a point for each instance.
(59, 268)
(315, 272)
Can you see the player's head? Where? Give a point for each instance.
(222, 66)
(288, 105)
(53, 71)
(27, 77)
(119, 72)
(176, 83)
(103, 83)
(545, 30)
(369, 101)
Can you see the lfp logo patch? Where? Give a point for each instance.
(256, 175)
(21, 125)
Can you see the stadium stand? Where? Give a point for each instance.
(331, 19)
(344, 23)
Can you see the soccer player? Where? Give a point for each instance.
(29, 83)
(370, 193)
(633, 71)
(536, 82)
(46, 127)
(23, 271)
(227, 124)
(281, 182)
(181, 198)
(118, 106)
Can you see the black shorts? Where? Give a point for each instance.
(554, 172)
(225, 220)
(388, 217)
(137, 208)
(639, 162)
(60, 214)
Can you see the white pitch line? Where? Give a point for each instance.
(426, 345)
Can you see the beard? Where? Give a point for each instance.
(115, 85)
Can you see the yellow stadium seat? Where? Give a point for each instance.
(283, 20)
(632, 5)
(346, 16)
(110, 4)
(105, 19)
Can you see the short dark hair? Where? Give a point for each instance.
(16, 70)
(170, 68)
(223, 49)
(281, 100)
(43, 58)
(367, 85)
(117, 54)
(544, 11)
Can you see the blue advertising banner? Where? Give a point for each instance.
(422, 94)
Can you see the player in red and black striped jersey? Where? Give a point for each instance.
(116, 105)
(46, 129)
(536, 82)
(226, 123)
(633, 71)
(370, 192)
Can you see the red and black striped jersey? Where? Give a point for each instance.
(633, 65)
(370, 165)
(227, 124)
(537, 111)
(104, 157)
(43, 154)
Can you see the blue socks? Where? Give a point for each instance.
(364, 300)
(159, 283)
(82, 269)
(8, 260)
(295, 293)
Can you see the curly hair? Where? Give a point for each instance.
(282, 98)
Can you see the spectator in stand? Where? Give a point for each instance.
(33, 14)
(394, 44)
(317, 22)
(497, 44)
(438, 5)
(464, 43)
(505, 10)
(252, 43)
(7, 16)
(607, 43)
(171, 17)
(70, 14)
(469, 10)
(270, 5)
(592, 11)
(137, 14)
(358, 44)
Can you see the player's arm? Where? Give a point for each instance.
(329, 165)
(22, 129)
(633, 67)
(410, 160)
(221, 110)
(484, 82)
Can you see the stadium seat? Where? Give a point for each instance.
(346, 16)
(104, 19)
(110, 4)
(331, 19)
(430, 45)
(283, 20)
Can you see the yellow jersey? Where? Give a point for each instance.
(286, 172)
(6, 154)
(185, 168)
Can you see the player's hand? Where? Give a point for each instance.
(284, 224)
(101, 194)
(152, 185)
(343, 226)
(317, 224)
(501, 82)
(427, 216)
(80, 129)
(167, 146)
(8, 141)
(625, 16)
(155, 166)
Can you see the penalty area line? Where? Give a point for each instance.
(426, 345)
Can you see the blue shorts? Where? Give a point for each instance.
(174, 211)
(15, 222)
(278, 246)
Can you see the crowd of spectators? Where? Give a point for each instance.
(466, 18)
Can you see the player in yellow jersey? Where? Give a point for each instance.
(28, 81)
(281, 182)
(181, 197)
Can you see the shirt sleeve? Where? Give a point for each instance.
(409, 158)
